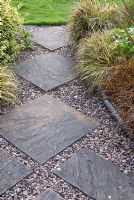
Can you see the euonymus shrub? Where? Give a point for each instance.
(12, 36)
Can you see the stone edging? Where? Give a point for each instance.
(111, 108)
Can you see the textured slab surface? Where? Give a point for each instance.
(50, 195)
(51, 38)
(11, 171)
(46, 71)
(44, 127)
(96, 177)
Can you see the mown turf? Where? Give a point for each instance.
(51, 12)
(44, 11)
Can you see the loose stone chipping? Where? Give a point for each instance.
(46, 71)
(44, 127)
(11, 171)
(52, 38)
(103, 141)
(96, 177)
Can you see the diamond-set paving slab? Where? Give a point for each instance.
(46, 71)
(49, 194)
(96, 177)
(44, 127)
(11, 171)
(52, 37)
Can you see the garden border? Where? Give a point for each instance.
(110, 107)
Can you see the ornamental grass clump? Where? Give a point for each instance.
(8, 85)
(98, 52)
(90, 16)
(12, 35)
(120, 88)
(95, 57)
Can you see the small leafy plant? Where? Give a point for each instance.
(122, 42)
(12, 37)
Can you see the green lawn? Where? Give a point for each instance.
(44, 11)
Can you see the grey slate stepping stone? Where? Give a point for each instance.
(46, 71)
(52, 37)
(44, 127)
(50, 195)
(96, 177)
(11, 171)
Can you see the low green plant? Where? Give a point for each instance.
(90, 16)
(8, 85)
(12, 37)
(95, 57)
(123, 42)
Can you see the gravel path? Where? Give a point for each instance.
(107, 140)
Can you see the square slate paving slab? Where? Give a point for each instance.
(11, 171)
(44, 127)
(46, 71)
(49, 194)
(96, 177)
(52, 37)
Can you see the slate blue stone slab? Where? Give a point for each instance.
(11, 171)
(49, 194)
(44, 127)
(46, 71)
(52, 37)
(96, 177)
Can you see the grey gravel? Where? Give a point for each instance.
(108, 140)
(27, 91)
